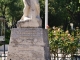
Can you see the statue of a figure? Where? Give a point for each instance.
(31, 14)
(30, 6)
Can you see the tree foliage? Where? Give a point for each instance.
(62, 12)
(11, 10)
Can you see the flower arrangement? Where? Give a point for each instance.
(66, 41)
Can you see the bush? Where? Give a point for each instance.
(66, 41)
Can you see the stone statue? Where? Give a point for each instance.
(29, 7)
(31, 13)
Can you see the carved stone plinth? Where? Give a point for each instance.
(29, 23)
(28, 44)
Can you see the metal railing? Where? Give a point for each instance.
(59, 56)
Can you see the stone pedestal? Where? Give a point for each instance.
(35, 22)
(28, 44)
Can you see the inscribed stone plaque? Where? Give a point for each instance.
(28, 44)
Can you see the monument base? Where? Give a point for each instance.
(28, 44)
(29, 23)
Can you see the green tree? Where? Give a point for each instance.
(62, 12)
(11, 10)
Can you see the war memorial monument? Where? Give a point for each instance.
(29, 41)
